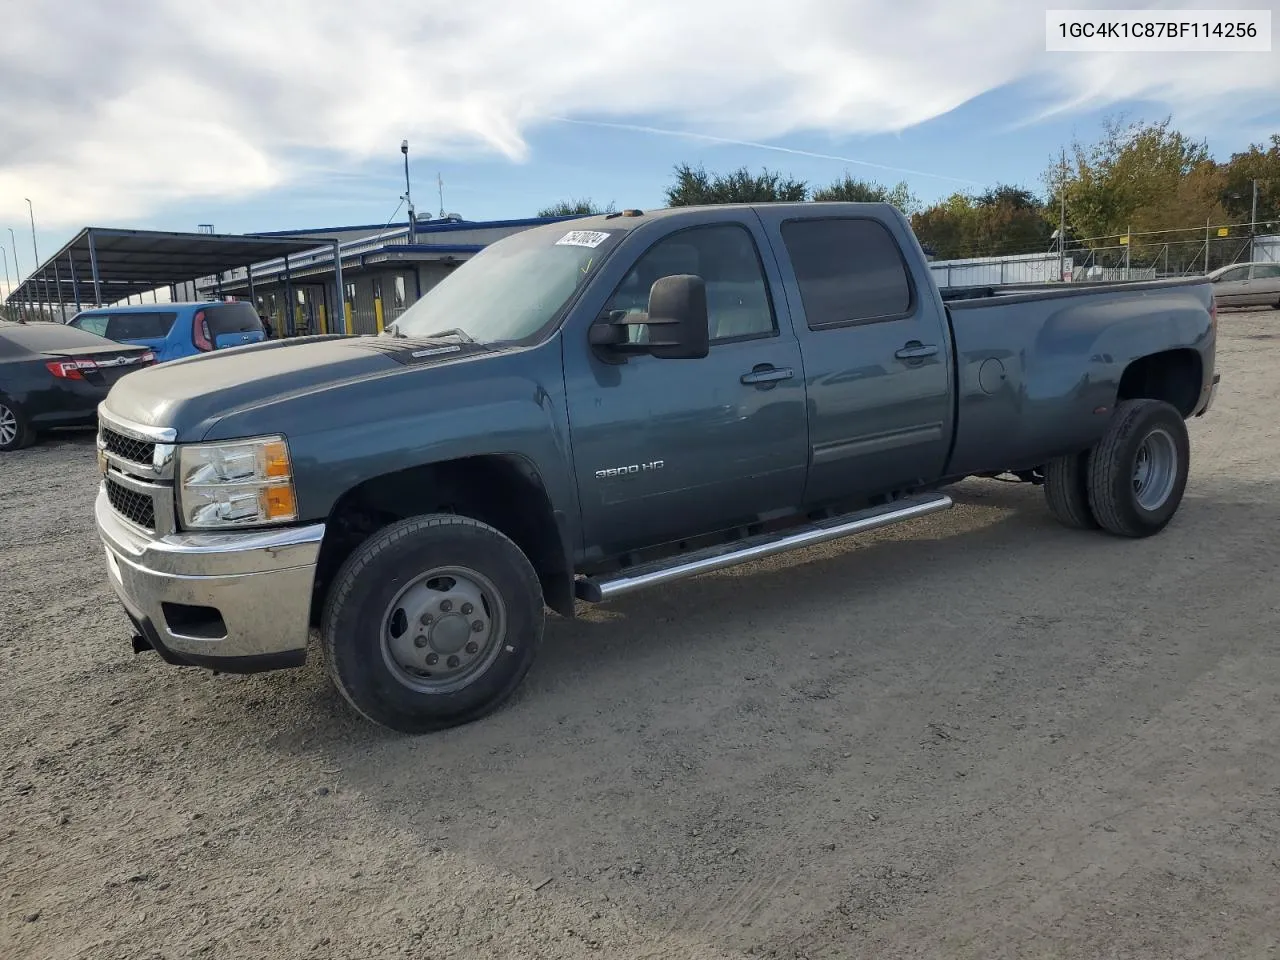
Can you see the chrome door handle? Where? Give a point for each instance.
(915, 350)
(767, 374)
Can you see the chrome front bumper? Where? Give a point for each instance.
(238, 602)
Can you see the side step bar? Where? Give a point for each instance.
(719, 556)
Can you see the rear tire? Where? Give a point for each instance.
(1138, 470)
(1066, 490)
(16, 431)
(431, 623)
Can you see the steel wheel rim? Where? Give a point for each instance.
(1155, 470)
(443, 629)
(8, 425)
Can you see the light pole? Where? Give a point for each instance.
(413, 223)
(32, 212)
(17, 270)
(8, 286)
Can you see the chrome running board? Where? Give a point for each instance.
(720, 556)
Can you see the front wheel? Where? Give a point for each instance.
(431, 623)
(1138, 470)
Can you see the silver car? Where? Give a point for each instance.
(1247, 285)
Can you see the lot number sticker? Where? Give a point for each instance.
(582, 238)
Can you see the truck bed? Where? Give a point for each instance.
(1042, 365)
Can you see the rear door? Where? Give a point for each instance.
(233, 324)
(876, 353)
(143, 328)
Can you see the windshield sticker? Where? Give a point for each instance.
(582, 238)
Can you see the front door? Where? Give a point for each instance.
(669, 448)
(1231, 288)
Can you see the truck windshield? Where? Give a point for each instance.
(510, 290)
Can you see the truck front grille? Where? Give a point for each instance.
(135, 507)
(127, 448)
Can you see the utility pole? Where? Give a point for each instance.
(1062, 219)
(1206, 245)
(1128, 245)
(1253, 222)
(440, 189)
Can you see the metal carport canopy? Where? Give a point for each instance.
(128, 262)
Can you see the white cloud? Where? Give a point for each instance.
(112, 110)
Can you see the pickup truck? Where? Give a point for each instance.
(587, 409)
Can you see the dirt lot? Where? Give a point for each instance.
(980, 735)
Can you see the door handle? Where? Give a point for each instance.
(915, 350)
(764, 373)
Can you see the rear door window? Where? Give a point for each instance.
(1267, 271)
(850, 270)
(232, 318)
(140, 326)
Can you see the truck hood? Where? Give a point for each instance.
(192, 394)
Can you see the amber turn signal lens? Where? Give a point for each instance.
(275, 459)
(280, 502)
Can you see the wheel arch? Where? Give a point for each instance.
(505, 491)
(1174, 376)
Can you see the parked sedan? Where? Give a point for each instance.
(1247, 285)
(55, 376)
(176, 330)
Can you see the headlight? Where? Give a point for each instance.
(236, 483)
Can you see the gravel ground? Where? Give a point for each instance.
(978, 735)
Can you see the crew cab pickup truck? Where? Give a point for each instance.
(591, 408)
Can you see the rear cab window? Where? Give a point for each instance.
(224, 318)
(850, 271)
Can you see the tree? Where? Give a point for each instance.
(852, 190)
(1258, 163)
(696, 186)
(573, 208)
(1003, 220)
(1139, 176)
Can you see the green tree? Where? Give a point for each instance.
(573, 208)
(694, 185)
(1260, 163)
(1001, 221)
(1140, 176)
(852, 190)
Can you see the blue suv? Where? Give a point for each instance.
(175, 330)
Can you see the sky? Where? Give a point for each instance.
(289, 114)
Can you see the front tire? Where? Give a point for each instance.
(1138, 471)
(431, 623)
(16, 431)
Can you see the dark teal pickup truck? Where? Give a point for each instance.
(592, 408)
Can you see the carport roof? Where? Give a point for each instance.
(135, 261)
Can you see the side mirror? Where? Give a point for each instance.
(676, 322)
(678, 318)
